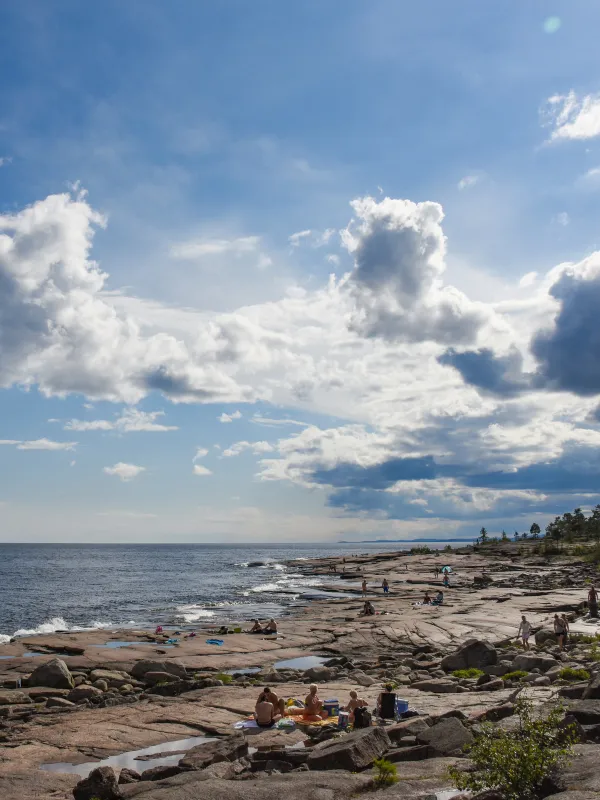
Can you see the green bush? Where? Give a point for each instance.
(572, 674)
(515, 763)
(223, 676)
(386, 773)
(516, 675)
(421, 550)
(472, 672)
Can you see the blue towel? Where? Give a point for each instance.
(218, 642)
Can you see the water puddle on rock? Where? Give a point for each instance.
(135, 759)
(304, 662)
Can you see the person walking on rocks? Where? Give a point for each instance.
(560, 631)
(524, 632)
(364, 587)
(593, 602)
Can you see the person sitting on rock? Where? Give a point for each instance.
(264, 713)
(438, 599)
(386, 703)
(270, 627)
(256, 628)
(313, 707)
(355, 702)
(427, 599)
(368, 609)
(271, 697)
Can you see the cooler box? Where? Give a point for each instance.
(401, 706)
(332, 707)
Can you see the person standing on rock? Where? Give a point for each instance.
(364, 587)
(385, 586)
(593, 602)
(524, 632)
(565, 623)
(560, 631)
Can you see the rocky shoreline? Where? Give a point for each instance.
(90, 696)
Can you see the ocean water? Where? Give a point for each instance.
(49, 587)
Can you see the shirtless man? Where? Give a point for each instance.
(355, 702)
(264, 713)
(271, 627)
(364, 588)
(278, 703)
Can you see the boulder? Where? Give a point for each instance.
(100, 684)
(473, 653)
(410, 727)
(173, 667)
(592, 690)
(160, 677)
(354, 752)
(319, 674)
(83, 692)
(9, 698)
(416, 753)
(494, 714)
(447, 736)
(587, 712)
(161, 772)
(544, 635)
(229, 749)
(109, 676)
(360, 677)
(128, 776)
(59, 702)
(493, 685)
(101, 784)
(54, 674)
(530, 661)
(437, 685)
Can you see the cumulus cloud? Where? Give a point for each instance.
(59, 331)
(131, 420)
(201, 471)
(201, 452)
(499, 375)
(258, 448)
(573, 117)
(399, 252)
(230, 417)
(126, 472)
(39, 444)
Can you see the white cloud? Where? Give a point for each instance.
(201, 452)
(468, 181)
(563, 219)
(59, 330)
(296, 238)
(258, 448)
(333, 259)
(126, 472)
(39, 444)
(130, 420)
(199, 248)
(201, 471)
(528, 280)
(573, 117)
(4, 160)
(268, 422)
(230, 417)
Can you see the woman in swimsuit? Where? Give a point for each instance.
(264, 713)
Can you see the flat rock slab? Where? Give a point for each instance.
(332, 785)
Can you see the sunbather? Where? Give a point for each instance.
(270, 627)
(278, 703)
(355, 702)
(264, 713)
(256, 628)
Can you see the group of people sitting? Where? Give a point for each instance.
(435, 601)
(270, 708)
(270, 627)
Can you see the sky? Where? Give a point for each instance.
(278, 272)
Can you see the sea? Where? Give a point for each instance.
(45, 588)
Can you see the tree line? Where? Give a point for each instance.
(572, 526)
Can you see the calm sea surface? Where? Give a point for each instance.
(51, 587)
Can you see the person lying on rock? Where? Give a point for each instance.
(264, 713)
(355, 702)
(271, 697)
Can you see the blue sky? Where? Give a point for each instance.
(178, 184)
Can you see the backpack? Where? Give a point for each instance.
(362, 718)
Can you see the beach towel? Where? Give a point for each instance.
(218, 642)
(246, 723)
(306, 722)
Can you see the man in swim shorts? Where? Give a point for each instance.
(264, 713)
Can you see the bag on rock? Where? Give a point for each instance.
(362, 718)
